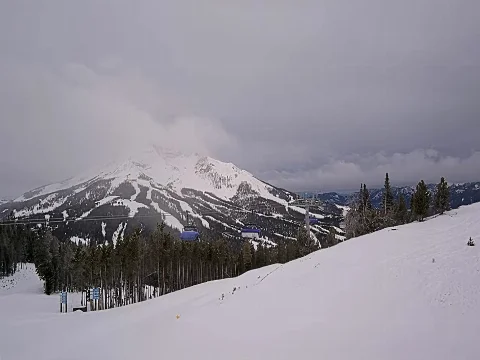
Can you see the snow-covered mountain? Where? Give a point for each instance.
(460, 194)
(160, 184)
(412, 293)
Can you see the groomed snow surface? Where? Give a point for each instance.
(409, 293)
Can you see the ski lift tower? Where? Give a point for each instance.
(307, 219)
(306, 203)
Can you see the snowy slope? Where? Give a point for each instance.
(24, 281)
(161, 185)
(409, 293)
(22, 299)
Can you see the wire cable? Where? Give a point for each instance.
(161, 214)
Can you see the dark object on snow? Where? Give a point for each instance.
(82, 308)
(471, 242)
(433, 260)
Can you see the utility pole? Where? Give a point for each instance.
(307, 215)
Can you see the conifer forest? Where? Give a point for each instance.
(363, 218)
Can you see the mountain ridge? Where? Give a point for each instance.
(159, 184)
(460, 194)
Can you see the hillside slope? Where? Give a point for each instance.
(157, 185)
(406, 293)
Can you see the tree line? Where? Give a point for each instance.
(363, 218)
(141, 265)
(16, 247)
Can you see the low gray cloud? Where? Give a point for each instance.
(403, 169)
(311, 94)
(60, 124)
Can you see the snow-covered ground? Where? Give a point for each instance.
(22, 299)
(409, 293)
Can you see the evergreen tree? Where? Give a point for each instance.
(442, 197)
(362, 217)
(421, 201)
(305, 242)
(387, 197)
(360, 200)
(247, 256)
(353, 216)
(331, 237)
(365, 202)
(293, 250)
(401, 212)
(352, 223)
(412, 203)
(369, 216)
(281, 252)
(43, 262)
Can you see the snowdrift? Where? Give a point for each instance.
(410, 292)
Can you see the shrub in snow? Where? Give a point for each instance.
(471, 242)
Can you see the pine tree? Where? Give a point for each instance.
(352, 223)
(360, 200)
(331, 237)
(442, 197)
(401, 210)
(247, 255)
(362, 217)
(281, 252)
(387, 197)
(366, 202)
(369, 216)
(305, 242)
(293, 250)
(353, 216)
(43, 262)
(421, 201)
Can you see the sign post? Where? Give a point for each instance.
(96, 296)
(63, 301)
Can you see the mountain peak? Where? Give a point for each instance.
(161, 183)
(164, 184)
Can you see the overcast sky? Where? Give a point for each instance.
(321, 94)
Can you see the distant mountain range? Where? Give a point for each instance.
(159, 184)
(460, 194)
